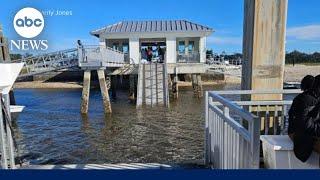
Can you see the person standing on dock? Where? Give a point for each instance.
(160, 54)
(299, 115)
(149, 54)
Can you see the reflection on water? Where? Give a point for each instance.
(52, 131)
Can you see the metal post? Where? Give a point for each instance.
(206, 131)
(4, 162)
(10, 144)
(157, 88)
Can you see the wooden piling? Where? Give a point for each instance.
(197, 85)
(113, 86)
(132, 89)
(200, 87)
(264, 46)
(85, 92)
(175, 87)
(104, 91)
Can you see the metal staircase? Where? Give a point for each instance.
(152, 85)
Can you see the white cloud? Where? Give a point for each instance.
(310, 32)
(225, 40)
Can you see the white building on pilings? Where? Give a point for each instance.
(183, 42)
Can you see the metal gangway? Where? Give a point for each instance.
(152, 86)
(44, 63)
(233, 126)
(84, 57)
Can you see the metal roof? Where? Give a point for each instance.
(152, 26)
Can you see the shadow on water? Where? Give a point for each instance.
(52, 131)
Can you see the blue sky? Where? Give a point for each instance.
(225, 16)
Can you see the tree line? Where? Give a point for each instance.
(294, 57)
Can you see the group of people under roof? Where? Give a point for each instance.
(304, 119)
(148, 54)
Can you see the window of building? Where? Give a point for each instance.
(181, 47)
(125, 48)
(191, 46)
(115, 46)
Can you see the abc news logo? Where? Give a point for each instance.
(29, 23)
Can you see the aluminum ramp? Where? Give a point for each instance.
(152, 85)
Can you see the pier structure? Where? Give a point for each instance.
(98, 58)
(179, 44)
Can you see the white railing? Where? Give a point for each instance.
(271, 117)
(190, 57)
(95, 56)
(229, 145)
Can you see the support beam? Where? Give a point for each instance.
(171, 53)
(173, 83)
(113, 87)
(264, 46)
(104, 91)
(85, 92)
(202, 49)
(175, 86)
(133, 87)
(134, 51)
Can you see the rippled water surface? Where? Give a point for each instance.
(52, 131)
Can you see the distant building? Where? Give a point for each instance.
(182, 41)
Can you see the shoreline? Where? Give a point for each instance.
(291, 74)
(78, 85)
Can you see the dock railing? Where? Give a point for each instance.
(233, 127)
(95, 56)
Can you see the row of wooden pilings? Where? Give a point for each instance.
(197, 86)
(105, 84)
